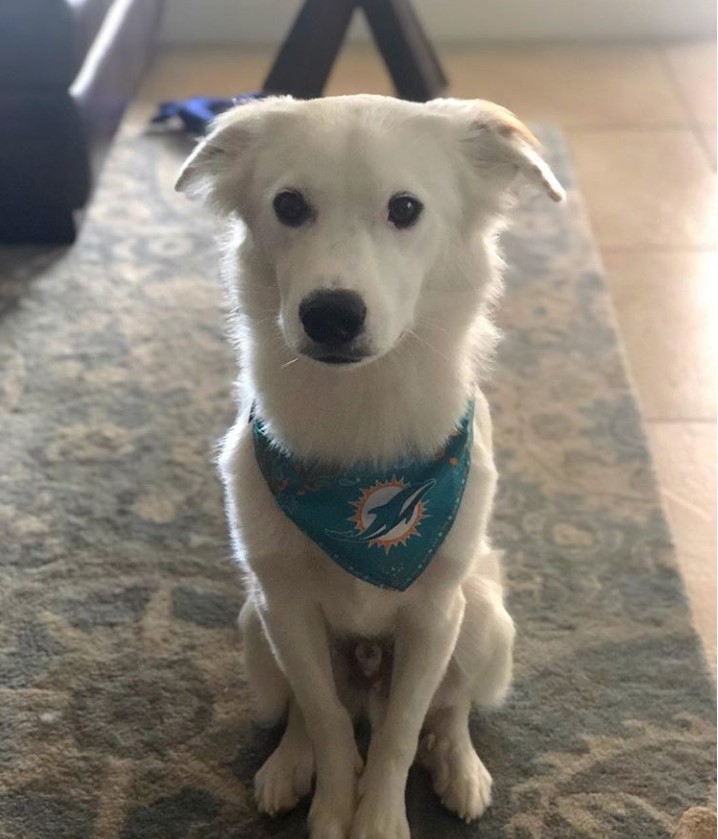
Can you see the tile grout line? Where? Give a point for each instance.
(597, 127)
(693, 123)
(680, 249)
(682, 420)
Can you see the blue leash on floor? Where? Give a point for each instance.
(198, 112)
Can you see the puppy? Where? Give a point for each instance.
(361, 262)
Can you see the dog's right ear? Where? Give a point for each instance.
(498, 144)
(216, 171)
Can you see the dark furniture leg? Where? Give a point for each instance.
(308, 53)
(306, 57)
(411, 60)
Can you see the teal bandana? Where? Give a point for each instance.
(383, 526)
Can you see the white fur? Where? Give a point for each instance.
(428, 292)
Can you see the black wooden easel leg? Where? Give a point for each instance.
(306, 57)
(411, 60)
(308, 53)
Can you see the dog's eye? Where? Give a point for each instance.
(404, 210)
(291, 208)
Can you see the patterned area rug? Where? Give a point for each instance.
(125, 713)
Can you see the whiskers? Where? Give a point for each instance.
(428, 345)
(273, 317)
(271, 334)
(430, 324)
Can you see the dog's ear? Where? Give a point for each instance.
(499, 136)
(497, 140)
(216, 170)
(208, 158)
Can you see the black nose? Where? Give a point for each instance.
(332, 317)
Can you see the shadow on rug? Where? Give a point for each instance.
(124, 709)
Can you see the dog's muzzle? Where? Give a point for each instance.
(333, 320)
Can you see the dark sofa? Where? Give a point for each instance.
(67, 71)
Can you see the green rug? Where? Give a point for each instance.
(124, 710)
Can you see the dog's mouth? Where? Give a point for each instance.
(349, 355)
(336, 358)
(339, 359)
(338, 354)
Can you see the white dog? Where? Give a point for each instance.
(362, 263)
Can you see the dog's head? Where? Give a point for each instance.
(352, 202)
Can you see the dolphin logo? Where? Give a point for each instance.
(399, 509)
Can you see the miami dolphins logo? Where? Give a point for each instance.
(387, 514)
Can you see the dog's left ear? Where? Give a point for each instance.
(218, 169)
(498, 140)
(212, 157)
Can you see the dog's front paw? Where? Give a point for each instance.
(460, 779)
(330, 816)
(332, 810)
(285, 778)
(377, 819)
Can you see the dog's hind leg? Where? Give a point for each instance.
(287, 774)
(267, 682)
(479, 673)
(460, 779)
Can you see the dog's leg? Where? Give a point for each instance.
(287, 774)
(479, 673)
(460, 779)
(482, 664)
(299, 638)
(269, 686)
(424, 641)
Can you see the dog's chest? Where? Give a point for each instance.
(358, 609)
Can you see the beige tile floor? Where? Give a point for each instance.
(641, 122)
